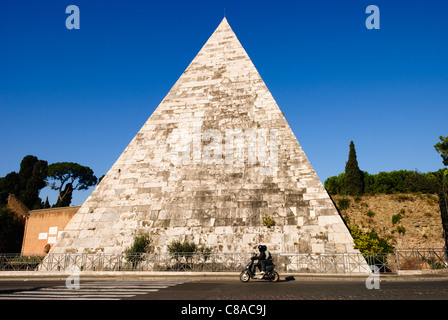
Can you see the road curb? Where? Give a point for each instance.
(422, 275)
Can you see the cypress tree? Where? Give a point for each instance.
(353, 175)
(34, 183)
(26, 184)
(46, 204)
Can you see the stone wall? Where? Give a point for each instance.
(417, 216)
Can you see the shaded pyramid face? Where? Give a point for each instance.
(216, 164)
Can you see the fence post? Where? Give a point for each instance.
(397, 260)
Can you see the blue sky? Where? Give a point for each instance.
(81, 95)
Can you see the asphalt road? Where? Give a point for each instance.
(224, 299)
(225, 290)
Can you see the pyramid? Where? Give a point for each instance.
(216, 164)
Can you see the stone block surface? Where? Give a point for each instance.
(214, 159)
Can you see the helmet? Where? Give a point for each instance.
(262, 247)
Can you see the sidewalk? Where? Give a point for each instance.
(417, 275)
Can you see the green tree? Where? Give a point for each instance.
(32, 174)
(353, 175)
(442, 177)
(442, 148)
(67, 198)
(391, 182)
(421, 182)
(136, 252)
(183, 248)
(368, 181)
(402, 181)
(46, 204)
(179, 250)
(336, 184)
(9, 184)
(26, 184)
(70, 177)
(11, 231)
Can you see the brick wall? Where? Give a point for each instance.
(16, 206)
(44, 227)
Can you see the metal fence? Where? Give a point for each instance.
(347, 263)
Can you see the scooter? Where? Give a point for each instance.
(250, 272)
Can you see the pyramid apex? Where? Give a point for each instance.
(224, 22)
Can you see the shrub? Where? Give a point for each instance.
(397, 217)
(370, 213)
(268, 221)
(401, 229)
(136, 252)
(179, 250)
(369, 242)
(205, 252)
(343, 203)
(183, 248)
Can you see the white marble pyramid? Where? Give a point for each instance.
(216, 164)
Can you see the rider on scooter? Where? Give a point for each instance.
(264, 258)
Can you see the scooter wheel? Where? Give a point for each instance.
(274, 277)
(244, 276)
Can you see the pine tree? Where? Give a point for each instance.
(72, 176)
(67, 199)
(353, 175)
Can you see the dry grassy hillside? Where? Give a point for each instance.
(406, 220)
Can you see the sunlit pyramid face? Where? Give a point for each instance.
(215, 164)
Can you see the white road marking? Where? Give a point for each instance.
(97, 290)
